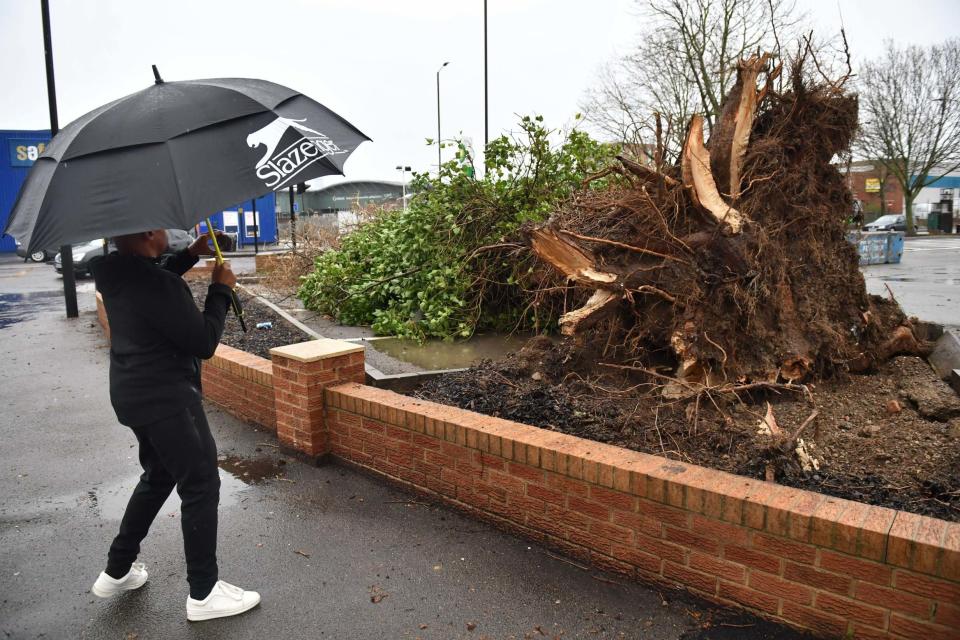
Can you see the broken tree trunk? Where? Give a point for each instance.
(735, 268)
(731, 135)
(698, 178)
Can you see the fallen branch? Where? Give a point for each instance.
(614, 243)
(806, 423)
(646, 173)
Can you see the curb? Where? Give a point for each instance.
(945, 357)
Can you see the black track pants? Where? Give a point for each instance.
(177, 451)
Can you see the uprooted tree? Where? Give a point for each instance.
(730, 269)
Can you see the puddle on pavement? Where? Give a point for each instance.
(17, 307)
(251, 470)
(437, 354)
(110, 500)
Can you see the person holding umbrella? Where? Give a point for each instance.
(163, 158)
(157, 336)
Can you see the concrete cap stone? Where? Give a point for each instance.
(316, 350)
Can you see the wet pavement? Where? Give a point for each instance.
(926, 282)
(335, 554)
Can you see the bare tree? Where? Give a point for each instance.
(883, 175)
(685, 64)
(910, 114)
(653, 79)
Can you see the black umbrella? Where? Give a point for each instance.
(172, 154)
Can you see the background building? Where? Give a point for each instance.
(20, 149)
(343, 196)
(869, 181)
(872, 185)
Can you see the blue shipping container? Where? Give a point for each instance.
(20, 149)
(238, 220)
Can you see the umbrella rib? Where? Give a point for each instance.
(333, 113)
(179, 135)
(218, 123)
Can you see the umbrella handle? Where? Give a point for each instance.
(237, 309)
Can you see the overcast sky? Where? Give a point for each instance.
(373, 61)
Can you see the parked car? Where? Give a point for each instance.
(36, 256)
(83, 253)
(890, 222)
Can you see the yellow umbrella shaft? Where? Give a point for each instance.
(216, 245)
(237, 309)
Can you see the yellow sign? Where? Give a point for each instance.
(872, 185)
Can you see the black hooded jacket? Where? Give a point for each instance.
(157, 334)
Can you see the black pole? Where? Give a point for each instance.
(293, 222)
(256, 228)
(486, 88)
(66, 251)
(439, 160)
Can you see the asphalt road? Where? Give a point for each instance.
(926, 282)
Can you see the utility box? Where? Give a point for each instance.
(944, 213)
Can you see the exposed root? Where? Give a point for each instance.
(757, 286)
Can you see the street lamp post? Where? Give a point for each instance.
(439, 159)
(403, 184)
(66, 251)
(486, 89)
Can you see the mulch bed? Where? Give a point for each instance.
(867, 450)
(255, 341)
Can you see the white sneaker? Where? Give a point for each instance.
(224, 600)
(105, 586)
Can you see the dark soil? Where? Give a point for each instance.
(255, 341)
(907, 460)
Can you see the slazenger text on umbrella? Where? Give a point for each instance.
(278, 168)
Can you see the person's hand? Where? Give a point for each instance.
(201, 246)
(223, 274)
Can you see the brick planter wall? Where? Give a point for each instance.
(203, 269)
(836, 567)
(102, 316)
(267, 262)
(301, 374)
(242, 384)
(830, 565)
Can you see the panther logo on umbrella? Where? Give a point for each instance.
(277, 169)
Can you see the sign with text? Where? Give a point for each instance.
(25, 151)
(872, 185)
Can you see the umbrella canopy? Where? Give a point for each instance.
(172, 154)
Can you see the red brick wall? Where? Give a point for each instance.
(299, 396)
(267, 262)
(830, 565)
(202, 270)
(892, 193)
(242, 384)
(102, 316)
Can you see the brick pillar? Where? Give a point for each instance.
(300, 374)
